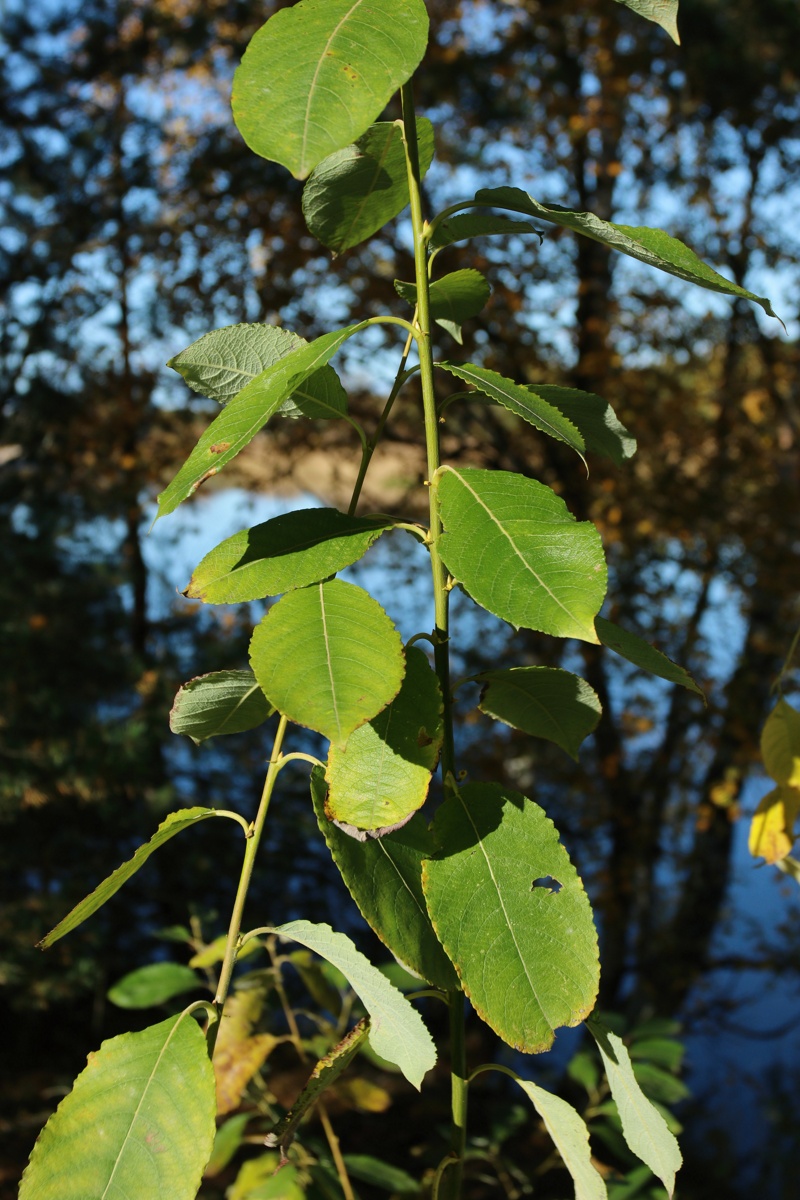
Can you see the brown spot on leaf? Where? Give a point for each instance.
(220, 447)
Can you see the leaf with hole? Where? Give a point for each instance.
(472, 225)
(571, 1137)
(154, 984)
(316, 75)
(328, 657)
(663, 12)
(454, 299)
(519, 552)
(382, 775)
(291, 551)
(512, 914)
(139, 1121)
(221, 702)
(354, 192)
(384, 877)
(544, 702)
(639, 652)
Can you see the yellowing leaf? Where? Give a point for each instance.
(780, 744)
(363, 1095)
(238, 1055)
(772, 828)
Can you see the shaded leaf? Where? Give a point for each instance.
(221, 702)
(172, 824)
(454, 298)
(228, 1140)
(384, 877)
(639, 652)
(288, 552)
(153, 984)
(544, 702)
(780, 744)
(644, 1128)
(512, 914)
(382, 774)
(650, 246)
(328, 657)
(519, 552)
(264, 1178)
(397, 1032)
(594, 419)
(238, 1052)
(521, 400)
(214, 952)
(571, 1137)
(663, 12)
(139, 1121)
(380, 1174)
(471, 225)
(354, 192)
(772, 828)
(316, 75)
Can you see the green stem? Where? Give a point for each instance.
(233, 944)
(368, 448)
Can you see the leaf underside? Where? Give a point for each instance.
(454, 299)
(639, 652)
(221, 702)
(544, 702)
(571, 1137)
(663, 12)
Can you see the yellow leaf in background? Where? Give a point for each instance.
(214, 952)
(780, 744)
(238, 1055)
(363, 1095)
(772, 828)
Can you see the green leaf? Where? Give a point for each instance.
(223, 362)
(316, 76)
(664, 1052)
(153, 984)
(382, 775)
(650, 246)
(328, 657)
(512, 914)
(354, 192)
(173, 824)
(663, 12)
(138, 1122)
(384, 877)
(222, 702)
(643, 655)
(571, 1137)
(521, 400)
(455, 298)
(780, 744)
(594, 418)
(228, 1140)
(249, 411)
(472, 225)
(644, 1128)
(544, 702)
(519, 552)
(264, 1178)
(397, 1031)
(288, 552)
(382, 1175)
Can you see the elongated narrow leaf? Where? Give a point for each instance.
(512, 914)
(472, 225)
(154, 984)
(354, 192)
(524, 401)
(397, 1031)
(381, 1174)
(316, 76)
(288, 552)
(138, 1122)
(780, 744)
(651, 246)
(173, 824)
(454, 298)
(544, 702)
(643, 1127)
(639, 652)
(382, 775)
(519, 552)
(663, 12)
(249, 411)
(772, 828)
(594, 419)
(221, 702)
(568, 1130)
(328, 657)
(384, 877)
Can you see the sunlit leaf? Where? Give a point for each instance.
(471, 225)
(454, 299)
(663, 12)
(639, 652)
(516, 548)
(594, 419)
(571, 1137)
(261, 1179)
(397, 1032)
(780, 744)
(544, 702)
(316, 75)
(651, 246)
(644, 1128)
(288, 552)
(512, 914)
(382, 774)
(173, 824)
(222, 702)
(214, 952)
(772, 828)
(354, 192)
(328, 657)
(139, 1121)
(154, 984)
(384, 877)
